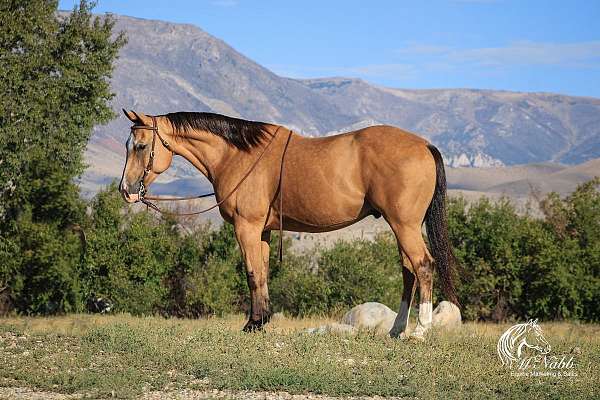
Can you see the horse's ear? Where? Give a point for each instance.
(131, 115)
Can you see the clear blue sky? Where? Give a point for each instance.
(550, 46)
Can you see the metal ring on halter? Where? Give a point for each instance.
(142, 191)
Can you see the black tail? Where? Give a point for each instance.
(436, 222)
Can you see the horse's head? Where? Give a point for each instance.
(534, 338)
(147, 155)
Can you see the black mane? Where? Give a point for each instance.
(238, 132)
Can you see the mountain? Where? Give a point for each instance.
(168, 67)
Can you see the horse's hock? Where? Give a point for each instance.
(380, 318)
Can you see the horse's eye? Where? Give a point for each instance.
(140, 146)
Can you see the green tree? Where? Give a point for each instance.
(54, 85)
(575, 224)
(515, 266)
(487, 239)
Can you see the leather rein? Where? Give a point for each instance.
(144, 197)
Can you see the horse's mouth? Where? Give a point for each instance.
(130, 198)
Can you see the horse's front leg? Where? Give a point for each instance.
(255, 251)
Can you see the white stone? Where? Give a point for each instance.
(371, 316)
(446, 315)
(333, 328)
(380, 318)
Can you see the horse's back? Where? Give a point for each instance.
(384, 139)
(360, 156)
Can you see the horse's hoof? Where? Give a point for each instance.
(401, 335)
(253, 326)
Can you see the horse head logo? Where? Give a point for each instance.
(518, 338)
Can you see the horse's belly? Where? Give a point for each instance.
(290, 224)
(323, 187)
(324, 216)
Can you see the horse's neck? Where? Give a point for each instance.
(206, 155)
(218, 160)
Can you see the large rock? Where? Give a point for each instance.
(446, 315)
(334, 328)
(380, 318)
(371, 316)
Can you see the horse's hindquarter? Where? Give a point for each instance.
(328, 181)
(400, 171)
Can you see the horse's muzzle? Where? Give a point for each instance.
(130, 198)
(130, 195)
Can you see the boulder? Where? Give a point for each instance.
(380, 318)
(333, 328)
(372, 316)
(446, 315)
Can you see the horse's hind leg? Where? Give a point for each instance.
(408, 292)
(411, 241)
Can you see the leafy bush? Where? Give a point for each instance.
(213, 288)
(347, 274)
(297, 289)
(54, 77)
(45, 279)
(516, 266)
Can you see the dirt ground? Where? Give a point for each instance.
(184, 394)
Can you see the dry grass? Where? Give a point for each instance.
(126, 356)
(80, 324)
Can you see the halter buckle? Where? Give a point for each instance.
(142, 191)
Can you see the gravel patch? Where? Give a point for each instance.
(15, 393)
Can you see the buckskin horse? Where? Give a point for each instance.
(266, 177)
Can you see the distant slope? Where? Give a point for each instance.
(522, 180)
(479, 127)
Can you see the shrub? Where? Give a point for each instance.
(45, 279)
(297, 289)
(516, 266)
(213, 288)
(343, 276)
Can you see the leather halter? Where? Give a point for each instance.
(148, 169)
(144, 199)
